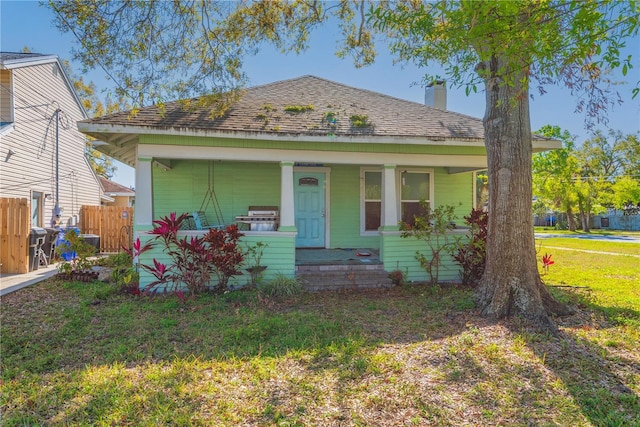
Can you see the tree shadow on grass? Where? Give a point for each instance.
(600, 377)
(317, 322)
(213, 355)
(99, 341)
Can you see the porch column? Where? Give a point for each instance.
(144, 193)
(287, 215)
(389, 220)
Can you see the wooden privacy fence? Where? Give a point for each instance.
(112, 223)
(14, 235)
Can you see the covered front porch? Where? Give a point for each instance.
(330, 204)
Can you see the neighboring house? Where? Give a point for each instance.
(116, 194)
(343, 166)
(42, 154)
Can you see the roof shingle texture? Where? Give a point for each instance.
(11, 56)
(263, 109)
(113, 187)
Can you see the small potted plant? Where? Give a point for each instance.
(397, 277)
(254, 253)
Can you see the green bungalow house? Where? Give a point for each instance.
(340, 165)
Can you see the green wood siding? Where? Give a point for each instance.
(279, 257)
(398, 253)
(237, 185)
(456, 190)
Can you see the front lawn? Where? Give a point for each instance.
(79, 354)
(611, 281)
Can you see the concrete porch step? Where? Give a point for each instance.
(342, 277)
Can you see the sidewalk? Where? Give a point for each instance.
(12, 282)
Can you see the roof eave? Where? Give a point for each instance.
(120, 141)
(27, 62)
(99, 131)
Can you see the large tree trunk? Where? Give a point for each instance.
(511, 284)
(571, 219)
(584, 216)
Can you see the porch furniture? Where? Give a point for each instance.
(202, 223)
(36, 239)
(260, 218)
(48, 248)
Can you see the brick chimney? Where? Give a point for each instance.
(435, 94)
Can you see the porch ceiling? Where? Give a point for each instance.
(120, 146)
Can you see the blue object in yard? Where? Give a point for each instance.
(67, 255)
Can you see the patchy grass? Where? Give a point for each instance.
(79, 354)
(610, 282)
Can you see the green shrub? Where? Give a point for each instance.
(281, 286)
(432, 226)
(121, 259)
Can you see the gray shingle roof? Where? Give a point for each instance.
(113, 187)
(263, 109)
(19, 57)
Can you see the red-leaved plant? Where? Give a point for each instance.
(225, 254)
(472, 254)
(195, 259)
(547, 262)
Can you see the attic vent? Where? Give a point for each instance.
(308, 181)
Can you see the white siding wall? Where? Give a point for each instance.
(38, 91)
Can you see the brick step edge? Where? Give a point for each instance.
(302, 269)
(335, 280)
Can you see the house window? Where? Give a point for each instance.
(36, 209)
(414, 187)
(372, 200)
(6, 98)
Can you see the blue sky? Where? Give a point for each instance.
(25, 23)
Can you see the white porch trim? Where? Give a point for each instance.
(287, 210)
(144, 192)
(311, 156)
(389, 220)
